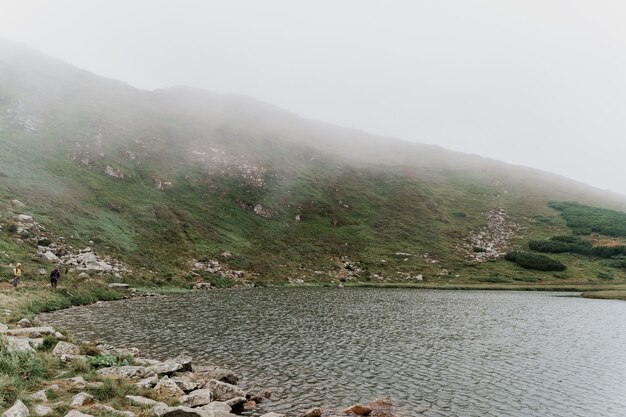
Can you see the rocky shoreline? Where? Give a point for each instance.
(141, 387)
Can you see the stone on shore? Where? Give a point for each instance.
(18, 409)
(65, 348)
(166, 368)
(185, 382)
(3, 327)
(214, 372)
(358, 409)
(273, 415)
(41, 410)
(238, 404)
(146, 362)
(112, 350)
(148, 382)
(312, 412)
(197, 398)
(222, 391)
(33, 332)
(168, 388)
(128, 372)
(81, 399)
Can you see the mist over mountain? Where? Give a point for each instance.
(181, 183)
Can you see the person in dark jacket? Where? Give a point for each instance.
(54, 277)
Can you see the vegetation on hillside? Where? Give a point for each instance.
(530, 260)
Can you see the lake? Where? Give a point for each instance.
(434, 353)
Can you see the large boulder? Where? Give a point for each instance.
(24, 323)
(33, 332)
(142, 401)
(312, 412)
(65, 348)
(18, 344)
(110, 410)
(197, 398)
(128, 372)
(186, 382)
(18, 409)
(213, 372)
(168, 388)
(222, 391)
(148, 382)
(273, 415)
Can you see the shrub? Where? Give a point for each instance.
(585, 220)
(535, 261)
(105, 361)
(478, 249)
(495, 279)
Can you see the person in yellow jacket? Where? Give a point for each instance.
(17, 273)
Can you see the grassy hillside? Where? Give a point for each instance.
(159, 179)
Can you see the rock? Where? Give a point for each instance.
(202, 286)
(181, 411)
(24, 218)
(237, 404)
(77, 382)
(111, 410)
(142, 401)
(197, 398)
(168, 388)
(146, 362)
(65, 348)
(18, 203)
(170, 366)
(221, 374)
(149, 382)
(83, 275)
(312, 412)
(119, 285)
(3, 327)
(273, 415)
(54, 387)
(186, 383)
(81, 399)
(216, 406)
(129, 372)
(17, 344)
(17, 410)
(59, 336)
(260, 395)
(42, 410)
(222, 391)
(49, 256)
(361, 410)
(76, 413)
(29, 331)
(24, 323)
(39, 396)
(249, 405)
(112, 350)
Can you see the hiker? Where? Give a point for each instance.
(54, 277)
(17, 273)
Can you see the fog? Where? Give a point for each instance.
(537, 83)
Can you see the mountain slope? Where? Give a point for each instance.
(162, 179)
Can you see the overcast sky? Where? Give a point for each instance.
(540, 83)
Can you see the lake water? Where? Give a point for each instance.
(435, 353)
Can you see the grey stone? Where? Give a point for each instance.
(222, 391)
(197, 398)
(39, 396)
(129, 372)
(17, 344)
(148, 382)
(213, 372)
(81, 399)
(77, 382)
(119, 285)
(273, 415)
(3, 327)
(29, 332)
(185, 383)
(170, 366)
(41, 410)
(167, 387)
(24, 323)
(65, 348)
(18, 409)
(146, 362)
(142, 401)
(111, 410)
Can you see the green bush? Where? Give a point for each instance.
(105, 361)
(535, 261)
(584, 220)
(495, 279)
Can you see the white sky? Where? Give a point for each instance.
(535, 82)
